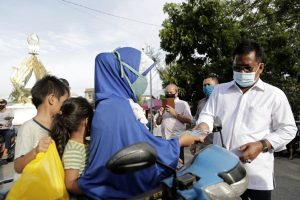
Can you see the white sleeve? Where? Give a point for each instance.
(187, 110)
(283, 123)
(24, 141)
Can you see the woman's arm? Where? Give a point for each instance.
(187, 139)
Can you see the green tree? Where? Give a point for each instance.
(199, 37)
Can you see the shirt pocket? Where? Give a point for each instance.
(257, 119)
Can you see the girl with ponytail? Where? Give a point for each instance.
(70, 128)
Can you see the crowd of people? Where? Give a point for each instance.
(256, 120)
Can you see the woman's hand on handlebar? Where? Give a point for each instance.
(187, 139)
(203, 131)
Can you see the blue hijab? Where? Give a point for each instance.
(114, 127)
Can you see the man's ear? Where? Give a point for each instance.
(262, 66)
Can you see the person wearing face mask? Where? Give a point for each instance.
(174, 120)
(6, 127)
(119, 122)
(256, 119)
(208, 86)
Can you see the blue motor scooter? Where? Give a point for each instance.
(213, 174)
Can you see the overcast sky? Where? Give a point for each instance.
(71, 36)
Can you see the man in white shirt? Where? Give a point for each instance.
(174, 120)
(209, 83)
(256, 118)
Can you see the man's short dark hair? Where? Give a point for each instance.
(246, 46)
(45, 86)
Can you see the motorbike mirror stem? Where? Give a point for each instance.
(218, 128)
(223, 145)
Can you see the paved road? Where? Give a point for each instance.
(287, 176)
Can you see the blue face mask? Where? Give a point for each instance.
(207, 90)
(244, 79)
(139, 86)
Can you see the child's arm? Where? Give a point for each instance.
(22, 161)
(71, 176)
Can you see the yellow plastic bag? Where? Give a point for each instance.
(43, 178)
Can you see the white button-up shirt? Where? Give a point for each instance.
(263, 112)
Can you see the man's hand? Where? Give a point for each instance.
(8, 124)
(161, 111)
(250, 151)
(159, 118)
(171, 110)
(43, 144)
(193, 149)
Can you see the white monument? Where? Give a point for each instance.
(20, 97)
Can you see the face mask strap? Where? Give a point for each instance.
(131, 69)
(117, 54)
(122, 64)
(126, 65)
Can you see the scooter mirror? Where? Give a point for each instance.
(132, 158)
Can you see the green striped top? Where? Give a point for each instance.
(75, 156)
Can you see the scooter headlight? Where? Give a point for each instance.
(220, 191)
(235, 183)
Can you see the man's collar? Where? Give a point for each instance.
(259, 84)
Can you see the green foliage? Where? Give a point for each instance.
(199, 37)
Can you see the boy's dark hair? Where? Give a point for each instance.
(45, 86)
(213, 77)
(65, 81)
(73, 111)
(246, 46)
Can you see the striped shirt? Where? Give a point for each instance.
(75, 156)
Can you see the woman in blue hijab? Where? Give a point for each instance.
(118, 80)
